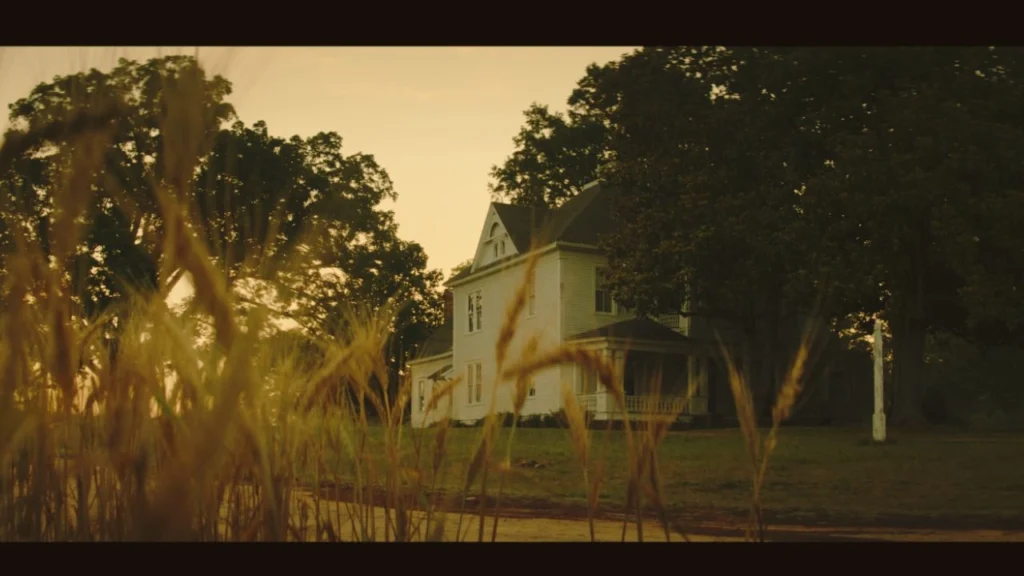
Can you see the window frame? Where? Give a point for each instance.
(612, 310)
(475, 310)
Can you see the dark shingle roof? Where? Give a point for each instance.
(520, 221)
(439, 342)
(587, 217)
(634, 329)
(581, 220)
(459, 276)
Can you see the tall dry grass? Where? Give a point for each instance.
(159, 440)
(760, 447)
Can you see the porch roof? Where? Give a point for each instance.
(635, 329)
(644, 334)
(440, 372)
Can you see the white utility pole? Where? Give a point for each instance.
(878, 423)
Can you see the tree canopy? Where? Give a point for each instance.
(295, 210)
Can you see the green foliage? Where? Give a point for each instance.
(256, 201)
(925, 143)
(556, 156)
(119, 252)
(460, 267)
(975, 382)
(757, 183)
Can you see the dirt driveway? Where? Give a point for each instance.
(527, 526)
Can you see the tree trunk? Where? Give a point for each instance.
(908, 341)
(909, 329)
(770, 361)
(748, 364)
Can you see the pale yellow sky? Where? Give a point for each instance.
(436, 118)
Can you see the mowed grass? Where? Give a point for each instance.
(822, 474)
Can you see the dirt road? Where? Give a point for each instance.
(523, 526)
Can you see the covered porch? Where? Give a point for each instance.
(663, 373)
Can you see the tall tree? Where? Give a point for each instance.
(556, 155)
(268, 208)
(120, 250)
(926, 173)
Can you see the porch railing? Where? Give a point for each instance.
(588, 402)
(645, 404)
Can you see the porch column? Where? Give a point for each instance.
(692, 374)
(602, 393)
(703, 391)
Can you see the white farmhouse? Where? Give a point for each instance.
(568, 302)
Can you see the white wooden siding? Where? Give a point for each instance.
(487, 243)
(498, 290)
(579, 271)
(419, 372)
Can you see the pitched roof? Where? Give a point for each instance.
(584, 218)
(439, 342)
(437, 374)
(462, 274)
(520, 221)
(634, 329)
(581, 220)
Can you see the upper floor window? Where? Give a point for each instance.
(533, 387)
(494, 230)
(422, 394)
(475, 310)
(602, 292)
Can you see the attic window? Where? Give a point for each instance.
(494, 229)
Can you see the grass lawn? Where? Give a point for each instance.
(823, 473)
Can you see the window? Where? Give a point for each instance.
(602, 292)
(422, 394)
(531, 297)
(502, 247)
(476, 311)
(474, 377)
(533, 388)
(494, 230)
